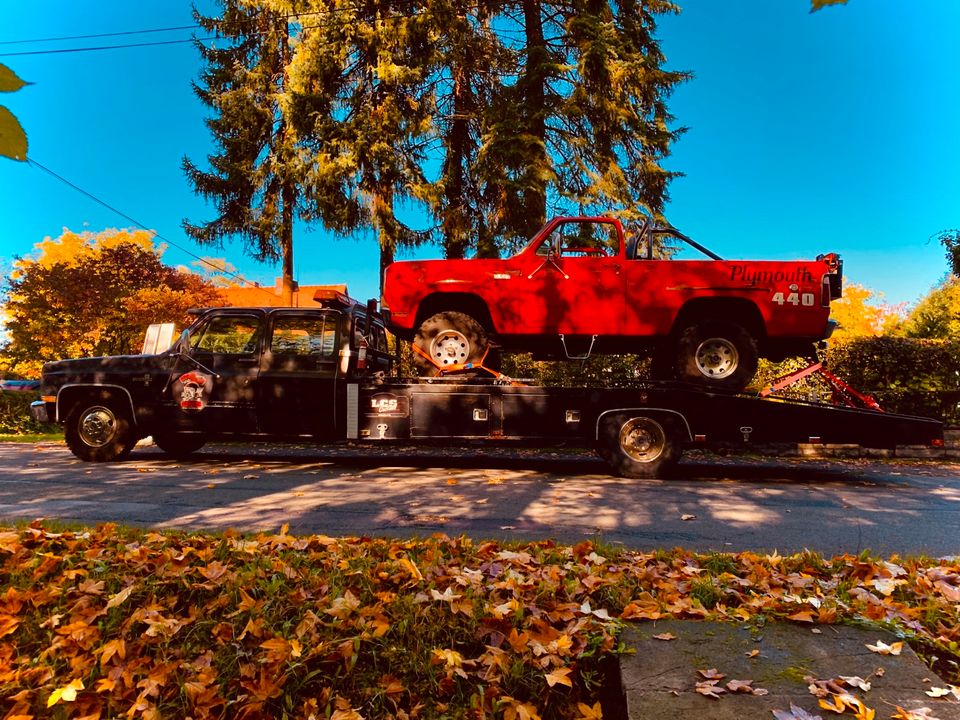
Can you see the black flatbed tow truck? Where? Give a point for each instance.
(322, 374)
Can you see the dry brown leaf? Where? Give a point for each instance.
(883, 649)
(560, 675)
(794, 713)
(921, 713)
(710, 689)
(665, 636)
(856, 681)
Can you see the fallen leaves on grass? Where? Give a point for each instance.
(118, 622)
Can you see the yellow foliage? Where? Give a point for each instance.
(861, 312)
(71, 247)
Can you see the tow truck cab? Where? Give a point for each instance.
(277, 372)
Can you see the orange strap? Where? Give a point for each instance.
(460, 367)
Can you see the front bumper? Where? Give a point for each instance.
(38, 410)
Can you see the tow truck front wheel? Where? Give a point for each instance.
(639, 446)
(179, 445)
(720, 355)
(99, 431)
(448, 341)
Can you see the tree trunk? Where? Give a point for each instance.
(288, 192)
(534, 99)
(455, 221)
(287, 284)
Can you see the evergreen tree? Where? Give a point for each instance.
(364, 115)
(491, 115)
(612, 128)
(254, 179)
(583, 124)
(470, 61)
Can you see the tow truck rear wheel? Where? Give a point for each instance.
(99, 430)
(179, 445)
(717, 354)
(639, 446)
(450, 340)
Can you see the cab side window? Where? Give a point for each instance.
(582, 239)
(314, 336)
(229, 335)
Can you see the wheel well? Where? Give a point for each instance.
(69, 397)
(736, 310)
(466, 303)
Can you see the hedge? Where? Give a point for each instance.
(905, 375)
(15, 418)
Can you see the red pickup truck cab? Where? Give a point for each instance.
(583, 285)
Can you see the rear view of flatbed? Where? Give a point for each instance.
(641, 431)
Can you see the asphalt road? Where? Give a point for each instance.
(713, 503)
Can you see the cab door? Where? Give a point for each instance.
(297, 383)
(576, 285)
(215, 388)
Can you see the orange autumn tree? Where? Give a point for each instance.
(92, 294)
(862, 312)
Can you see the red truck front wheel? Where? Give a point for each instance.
(449, 340)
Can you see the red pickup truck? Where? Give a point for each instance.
(582, 285)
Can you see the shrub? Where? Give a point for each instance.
(905, 375)
(15, 418)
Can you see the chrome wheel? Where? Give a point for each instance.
(717, 358)
(98, 426)
(643, 439)
(450, 347)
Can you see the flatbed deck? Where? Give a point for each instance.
(641, 430)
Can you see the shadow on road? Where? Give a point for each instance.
(562, 462)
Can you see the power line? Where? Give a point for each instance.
(99, 35)
(139, 224)
(331, 11)
(104, 47)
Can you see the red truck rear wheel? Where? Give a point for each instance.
(717, 354)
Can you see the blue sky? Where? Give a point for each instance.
(808, 133)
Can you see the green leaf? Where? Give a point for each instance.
(13, 140)
(820, 4)
(9, 82)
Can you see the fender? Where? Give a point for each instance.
(108, 386)
(642, 411)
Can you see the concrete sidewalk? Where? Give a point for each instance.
(660, 679)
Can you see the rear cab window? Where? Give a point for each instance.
(305, 336)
